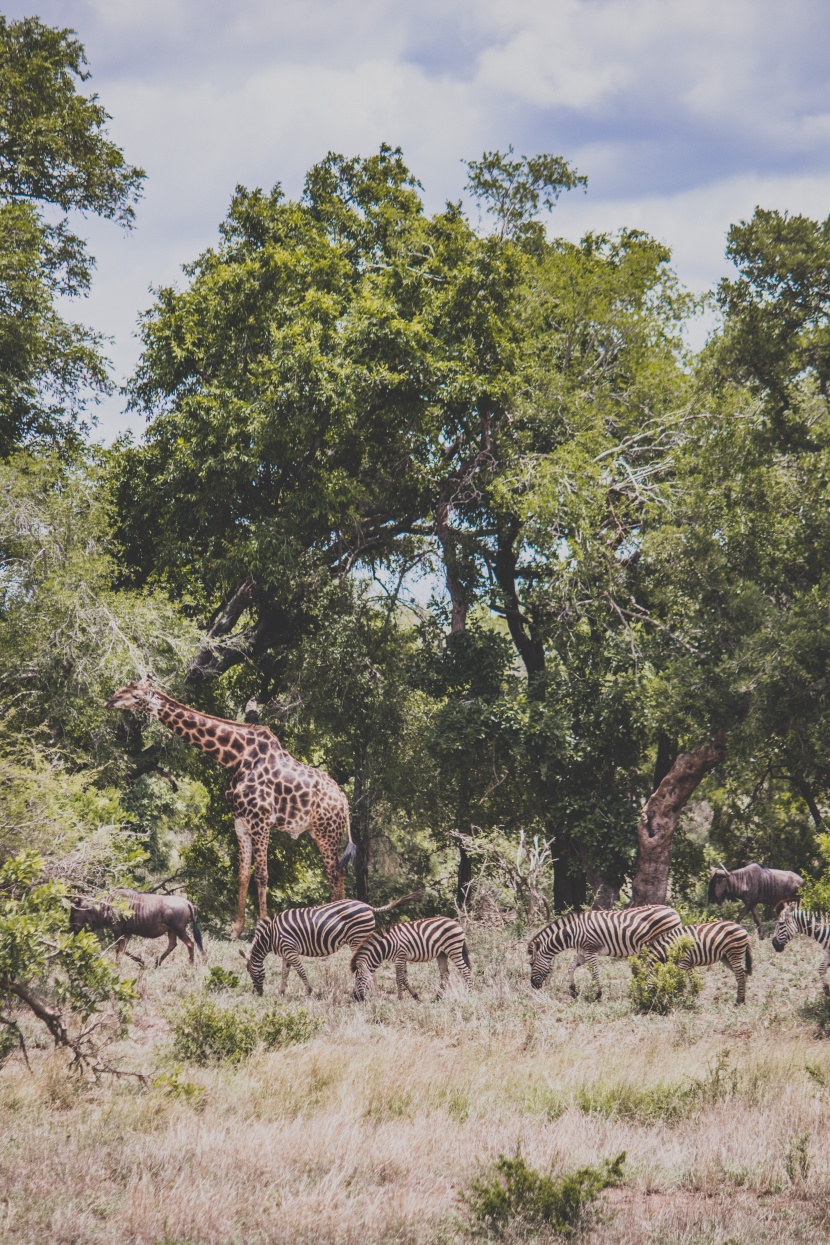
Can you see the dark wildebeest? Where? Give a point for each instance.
(753, 885)
(149, 916)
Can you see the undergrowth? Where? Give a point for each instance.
(204, 1032)
(512, 1194)
(660, 988)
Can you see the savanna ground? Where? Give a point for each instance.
(367, 1133)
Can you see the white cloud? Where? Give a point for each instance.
(684, 115)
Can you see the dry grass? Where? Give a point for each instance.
(366, 1134)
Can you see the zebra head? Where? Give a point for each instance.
(364, 964)
(255, 959)
(544, 946)
(786, 926)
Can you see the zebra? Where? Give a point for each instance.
(752, 885)
(713, 942)
(618, 934)
(433, 938)
(793, 920)
(314, 932)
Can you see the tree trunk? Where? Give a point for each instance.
(569, 882)
(807, 796)
(361, 826)
(465, 877)
(605, 893)
(658, 820)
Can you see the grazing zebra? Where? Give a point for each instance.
(714, 942)
(793, 920)
(313, 932)
(753, 885)
(618, 934)
(433, 938)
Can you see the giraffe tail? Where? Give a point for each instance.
(347, 857)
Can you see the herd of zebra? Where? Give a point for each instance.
(320, 931)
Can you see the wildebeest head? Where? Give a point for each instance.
(719, 885)
(86, 915)
(139, 694)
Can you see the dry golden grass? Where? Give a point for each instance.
(366, 1134)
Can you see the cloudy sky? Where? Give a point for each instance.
(684, 114)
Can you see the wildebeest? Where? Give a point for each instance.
(149, 916)
(752, 885)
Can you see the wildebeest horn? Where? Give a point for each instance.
(723, 866)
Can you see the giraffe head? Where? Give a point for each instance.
(139, 694)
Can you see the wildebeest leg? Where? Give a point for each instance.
(754, 910)
(189, 943)
(171, 946)
(443, 974)
(401, 978)
(578, 960)
(822, 972)
(121, 948)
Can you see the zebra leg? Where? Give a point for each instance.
(286, 969)
(401, 979)
(171, 946)
(463, 968)
(735, 961)
(443, 975)
(594, 966)
(822, 972)
(578, 960)
(294, 961)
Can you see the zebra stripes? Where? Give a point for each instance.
(618, 934)
(313, 932)
(433, 938)
(714, 942)
(792, 921)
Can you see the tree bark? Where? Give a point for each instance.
(530, 649)
(658, 820)
(361, 827)
(214, 659)
(807, 796)
(605, 893)
(459, 596)
(569, 881)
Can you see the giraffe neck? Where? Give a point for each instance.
(223, 740)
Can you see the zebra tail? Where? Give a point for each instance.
(748, 961)
(465, 955)
(347, 857)
(397, 902)
(197, 933)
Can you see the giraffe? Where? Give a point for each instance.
(270, 789)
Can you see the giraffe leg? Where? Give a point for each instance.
(260, 852)
(443, 975)
(323, 836)
(243, 838)
(171, 946)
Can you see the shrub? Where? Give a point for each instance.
(512, 1192)
(221, 979)
(205, 1033)
(280, 1026)
(797, 1158)
(174, 1087)
(815, 893)
(661, 988)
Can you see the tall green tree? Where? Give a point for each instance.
(55, 161)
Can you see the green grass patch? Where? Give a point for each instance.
(662, 988)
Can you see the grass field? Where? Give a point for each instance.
(367, 1133)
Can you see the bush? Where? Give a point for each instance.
(815, 893)
(221, 979)
(515, 1193)
(204, 1033)
(661, 988)
(281, 1026)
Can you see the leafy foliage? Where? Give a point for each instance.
(205, 1032)
(661, 988)
(513, 1192)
